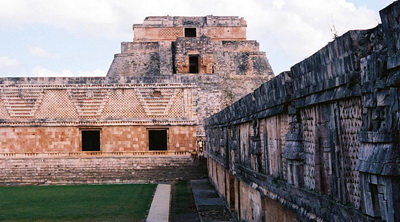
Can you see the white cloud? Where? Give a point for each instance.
(7, 62)
(294, 30)
(115, 17)
(96, 72)
(83, 17)
(40, 52)
(44, 72)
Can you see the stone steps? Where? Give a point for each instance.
(99, 170)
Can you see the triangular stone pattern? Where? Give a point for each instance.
(22, 103)
(89, 102)
(156, 102)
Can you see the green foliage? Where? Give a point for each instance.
(182, 199)
(129, 202)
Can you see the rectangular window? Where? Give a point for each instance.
(158, 139)
(190, 32)
(90, 140)
(193, 63)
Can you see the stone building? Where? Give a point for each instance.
(321, 141)
(158, 90)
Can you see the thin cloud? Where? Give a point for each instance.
(40, 52)
(292, 30)
(6, 62)
(43, 72)
(96, 72)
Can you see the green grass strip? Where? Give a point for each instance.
(128, 202)
(182, 199)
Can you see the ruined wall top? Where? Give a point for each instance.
(175, 21)
(168, 28)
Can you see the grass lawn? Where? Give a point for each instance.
(129, 202)
(182, 206)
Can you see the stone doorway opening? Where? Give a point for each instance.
(158, 139)
(90, 140)
(193, 63)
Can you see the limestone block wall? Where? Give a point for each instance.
(202, 47)
(48, 118)
(139, 62)
(136, 138)
(228, 65)
(243, 58)
(183, 100)
(321, 140)
(245, 200)
(168, 28)
(39, 139)
(227, 58)
(65, 140)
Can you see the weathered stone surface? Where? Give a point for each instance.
(150, 86)
(321, 140)
(98, 170)
(64, 140)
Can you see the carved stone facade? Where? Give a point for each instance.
(50, 118)
(320, 142)
(158, 90)
(210, 51)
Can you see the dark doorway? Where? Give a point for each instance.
(375, 198)
(193, 63)
(190, 32)
(90, 140)
(231, 192)
(157, 139)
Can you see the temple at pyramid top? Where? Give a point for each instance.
(168, 28)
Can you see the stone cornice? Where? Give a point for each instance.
(99, 86)
(87, 123)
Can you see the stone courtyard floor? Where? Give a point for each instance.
(210, 206)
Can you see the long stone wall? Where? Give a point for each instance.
(64, 140)
(320, 141)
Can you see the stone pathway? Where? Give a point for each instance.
(159, 210)
(210, 206)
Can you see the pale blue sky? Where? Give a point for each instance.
(80, 38)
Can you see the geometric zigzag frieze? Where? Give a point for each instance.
(156, 102)
(67, 102)
(22, 103)
(89, 102)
